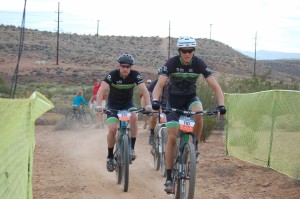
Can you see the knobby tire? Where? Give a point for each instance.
(156, 155)
(164, 139)
(185, 188)
(118, 166)
(125, 162)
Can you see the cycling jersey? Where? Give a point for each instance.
(182, 78)
(121, 89)
(95, 91)
(164, 96)
(78, 100)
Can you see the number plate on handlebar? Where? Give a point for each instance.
(124, 115)
(186, 124)
(163, 118)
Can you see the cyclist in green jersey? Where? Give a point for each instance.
(120, 83)
(182, 72)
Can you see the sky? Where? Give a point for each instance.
(271, 25)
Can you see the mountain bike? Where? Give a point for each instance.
(85, 119)
(123, 145)
(184, 168)
(159, 144)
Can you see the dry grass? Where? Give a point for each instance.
(81, 57)
(49, 118)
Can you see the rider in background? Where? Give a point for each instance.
(120, 83)
(182, 72)
(78, 100)
(163, 99)
(93, 100)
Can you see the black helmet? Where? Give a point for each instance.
(126, 59)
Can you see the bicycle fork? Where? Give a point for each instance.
(122, 135)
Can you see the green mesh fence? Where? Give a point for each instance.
(17, 144)
(264, 128)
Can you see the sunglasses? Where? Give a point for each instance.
(187, 51)
(125, 66)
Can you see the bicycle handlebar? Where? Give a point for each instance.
(140, 110)
(189, 113)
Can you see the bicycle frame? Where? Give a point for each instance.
(85, 119)
(123, 147)
(157, 149)
(123, 130)
(184, 167)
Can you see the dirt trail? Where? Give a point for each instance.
(71, 164)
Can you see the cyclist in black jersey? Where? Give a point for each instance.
(120, 83)
(163, 99)
(182, 72)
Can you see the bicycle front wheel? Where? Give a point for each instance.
(164, 140)
(155, 148)
(86, 120)
(186, 184)
(118, 166)
(125, 162)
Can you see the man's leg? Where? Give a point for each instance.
(146, 120)
(152, 124)
(133, 131)
(111, 139)
(170, 148)
(198, 127)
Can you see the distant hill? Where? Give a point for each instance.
(271, 55)
(84, 56)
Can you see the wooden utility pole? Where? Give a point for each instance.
(57, 47)
(97, 27)
(254, 67)
(210, 31)
(169, 40)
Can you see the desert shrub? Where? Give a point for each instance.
(256, 84)
(208, 100)
(49, 119)
(4, 89)
(62, 107)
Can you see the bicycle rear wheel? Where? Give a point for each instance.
(71, 116)
(86, 120)
(185, 187)
(125, 162)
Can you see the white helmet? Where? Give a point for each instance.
(186, 42)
